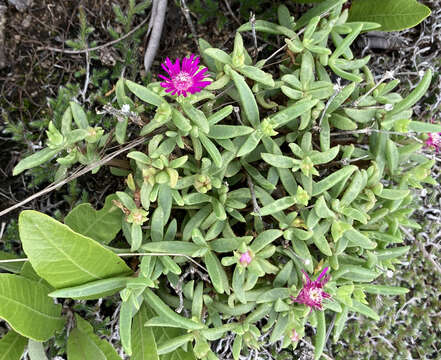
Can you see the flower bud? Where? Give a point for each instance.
(245, 258)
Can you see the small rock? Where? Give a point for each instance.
(26, 22)
(20, 5)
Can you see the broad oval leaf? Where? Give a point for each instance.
(100, 225)
(143, 339)
(63, 257)
(12, 346)
(36, 350)
(24, 304)
(393, 15)
(84, 344)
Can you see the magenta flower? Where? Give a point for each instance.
(312, 293)
(184, 79)
(434, 140)
(245, 258)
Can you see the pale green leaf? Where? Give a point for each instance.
(143, 339)
(12, 346)
(63, 257)
(393, 15)
(24, 304)
(100, 225)
(36, 350)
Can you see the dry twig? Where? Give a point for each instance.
(422, 248)
(82, 51)
(158, 15)
(80, 172)
(186, 13)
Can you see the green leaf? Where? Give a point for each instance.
(196, 116)
(384, 289)
(220, 115)
(155, 302)
(279, 161)
(12, 346)
(120, 131)
(126, 313)
(24, 304)
(268, 27)
(84, 344)
(291, 112)
(165, 333)
(364, 310)
(274, 294)
(143, 339)
(278, 205)
(264, 239)
(247, 99)
(157, 225)
(228, 131)
(218, 55)
(14, 267)
(392, 253)
(250, 144)
(415, 95)
(173, 247)
(100, 225)
(211, 149)
(356, 238)
(36, 159)
(79, 115)
(92, 290)
(355, 273)
(256, 74)
(204, 45)
(320, 336)
(61, 256)
(217, 273)
(340, 323)
(317, 10)
(322, 244)
(423, 127)
(331, 180)
(393, 15)
(144, 94)
(36, 350)
(174, 343)
(393, 194)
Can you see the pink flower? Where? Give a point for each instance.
(245, 258)
(294, 336)
(312, 293)
(434, 140)
(184, 79)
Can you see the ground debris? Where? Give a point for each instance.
(20, 5)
